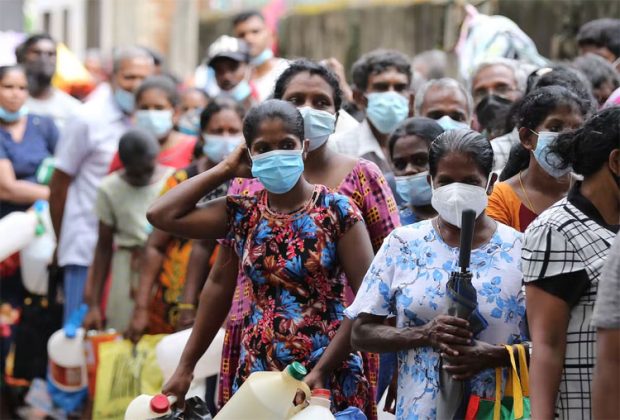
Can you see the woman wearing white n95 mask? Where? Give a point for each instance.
(408, 278)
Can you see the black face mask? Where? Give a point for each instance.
(40, 74)
(492, 112)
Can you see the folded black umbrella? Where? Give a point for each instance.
(462, 303)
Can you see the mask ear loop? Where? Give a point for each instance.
(486, 190)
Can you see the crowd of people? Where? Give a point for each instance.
(317, 217)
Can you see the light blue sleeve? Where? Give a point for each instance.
(375, 295)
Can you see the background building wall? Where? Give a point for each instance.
(346, 32)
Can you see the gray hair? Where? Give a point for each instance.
(443, 83)
(518, 72)
(129, 53)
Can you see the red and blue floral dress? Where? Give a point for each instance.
(297, 287)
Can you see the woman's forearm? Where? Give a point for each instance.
(546, 367)
(337, 350)
(150, 269)
(375, 337)
(98, 274)
(24, 192)
(215, 302)
(182, 199)
(197, 270)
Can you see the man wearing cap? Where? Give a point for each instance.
(229, 57)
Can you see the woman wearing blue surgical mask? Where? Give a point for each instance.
(193, 101)
(564, 252)
(27, 142)
(294, 240)
(221, 130)
(409, 145)
(174, 267)
(166, 262)
(408, 277)
(156, 111)
(316, 93)
(532, 178)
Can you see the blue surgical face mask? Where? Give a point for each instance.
(262, 58)
(318, 126)
(240, 92)
(448, 123)
(216, 147)
(189, 123)
(550, 162)
(414, 189)
(156, 122)
(125, 100)
(278, 170)
(13, 116)
(386, 110)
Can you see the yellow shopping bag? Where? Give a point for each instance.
(124, 372)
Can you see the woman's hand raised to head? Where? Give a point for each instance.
(238, 163)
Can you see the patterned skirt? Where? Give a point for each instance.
(232, 350)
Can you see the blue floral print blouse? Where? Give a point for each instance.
(407, 279)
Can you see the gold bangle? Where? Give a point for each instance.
(186, 306)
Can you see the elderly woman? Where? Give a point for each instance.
(408, 278)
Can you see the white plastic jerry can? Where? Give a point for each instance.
(266, 395)
(145, 407)
(319, 407)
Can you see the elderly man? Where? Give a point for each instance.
(37, 54)
(495, 86)
(83, 157)
(446, 101)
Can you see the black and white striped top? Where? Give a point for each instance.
(564, 251)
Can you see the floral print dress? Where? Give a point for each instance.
(408, 279)
(297, 291)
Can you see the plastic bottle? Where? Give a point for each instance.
(170, 348)
(65, 350)
(266, 395)
(318, 408)
(168, 353)
(16, 230)
(145, 407)
(38, 254)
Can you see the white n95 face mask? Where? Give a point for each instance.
(450, 200)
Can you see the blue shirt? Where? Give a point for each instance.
(39, 142)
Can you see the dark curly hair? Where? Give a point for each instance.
(273, 109)
(162, 83)
(315, 69)
(376, 62)
(425, 128)
(587, 149)
(603, 32)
